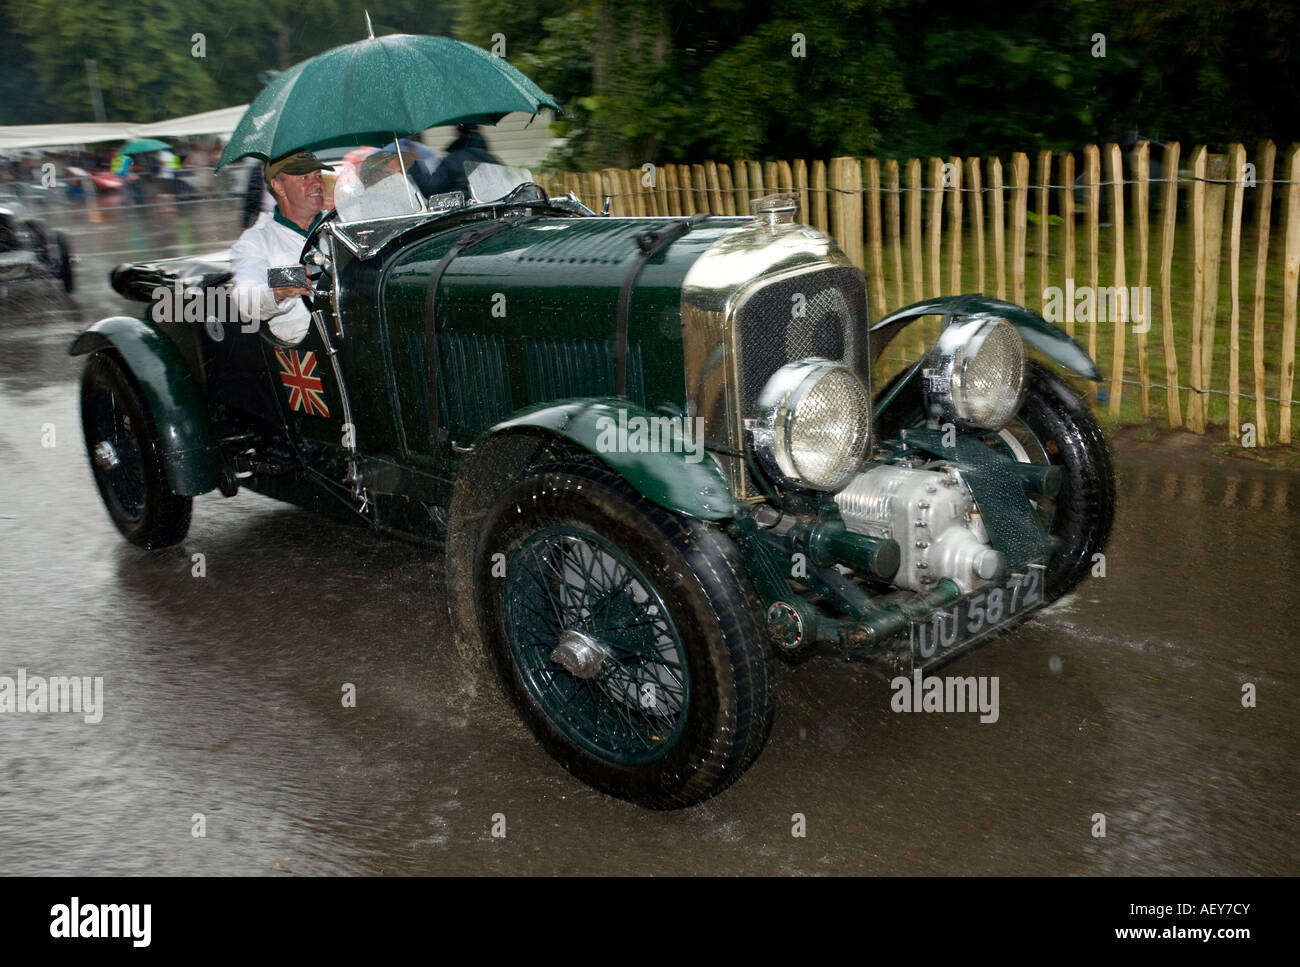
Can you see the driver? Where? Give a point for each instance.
(276, 239)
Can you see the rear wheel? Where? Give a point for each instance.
(625, 634)
(124, 457)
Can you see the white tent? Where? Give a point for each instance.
(45, 135)
(518, 139)
(221, 122)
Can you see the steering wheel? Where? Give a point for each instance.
(310, 243)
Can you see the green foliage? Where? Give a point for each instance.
(144, 49)
(657, 80)
(142, 56)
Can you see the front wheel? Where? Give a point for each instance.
(1053, 426)
(124, 457)
(625, 634)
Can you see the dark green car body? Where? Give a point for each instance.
(552, 327)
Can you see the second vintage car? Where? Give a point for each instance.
(648, 445)
(28, 248)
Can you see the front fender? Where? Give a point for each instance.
(191, 462)
(677, 474)
(1051, 340)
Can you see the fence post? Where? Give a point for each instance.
(1291, 277)
(1236, 163)
(741, 169)
(999, 228)
(716, 204)
(728, 190)
(954, 227)
(1195, 411)
(917, 340)
(800, 175)
(610, 187)
(819, 197)
(632, 185)
(846, 178)
(1066, 199)
(1216, 172)
(1115, 174)
(894, 219)
(672, 196)
(977, 219)
(934, 225)
(690, 198)
(700, 182)
(874, 246)
(1142, 204)
(1044, 217)
(1267, 157)
(1092, 174)
(1169, 213)
(1019, 223)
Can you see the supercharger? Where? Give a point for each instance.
(933, 517)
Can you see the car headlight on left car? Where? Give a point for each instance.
(813, 426)
(975, 374)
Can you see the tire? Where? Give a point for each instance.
(1053, 425)
(1056, 426)
(122, 445)
(679, 702)
(63, 266)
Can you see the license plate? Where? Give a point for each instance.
(969, 620)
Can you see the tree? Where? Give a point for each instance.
(142, 55)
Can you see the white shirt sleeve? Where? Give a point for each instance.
(266, 245)
(249, 262)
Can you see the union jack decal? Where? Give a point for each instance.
(306, 392)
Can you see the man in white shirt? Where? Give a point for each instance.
(276, 239)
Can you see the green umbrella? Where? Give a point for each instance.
(370, 91)
(144, 146)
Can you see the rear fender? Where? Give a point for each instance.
(191, 462)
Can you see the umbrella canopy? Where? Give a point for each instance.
(144, 146)
(374, 89)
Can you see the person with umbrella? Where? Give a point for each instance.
(276, 239)
(367, 92)
(450, 175)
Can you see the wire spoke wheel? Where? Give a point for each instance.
(631, 705)
(626, 635)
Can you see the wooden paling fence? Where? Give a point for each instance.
(1103, 251)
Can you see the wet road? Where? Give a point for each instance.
(223, 707)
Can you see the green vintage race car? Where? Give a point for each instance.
(648, 446)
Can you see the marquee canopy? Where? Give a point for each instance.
(221, 122)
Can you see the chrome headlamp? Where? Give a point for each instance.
(813, 425)
(975, 374)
